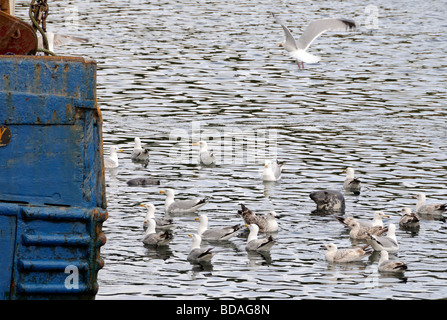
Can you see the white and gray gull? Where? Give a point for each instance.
(386, 265)
(255, 244)
(111, 161)
(297, 48)
(388, 242)
(272, 170)
(138, 152)
(154, 238)
(351, 183)
(216, 234)
(181, 206)
(161, 223)
(196, 253)
(432, 209)
(206, 157)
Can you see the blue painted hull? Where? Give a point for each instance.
(52, 194)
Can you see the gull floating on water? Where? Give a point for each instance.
(224, 233)
(181, 206)
(333, 254)
(409, 219)
(197, 254)
(388, 242)
(272, 170)
(156, 238)
(206, 157)
(351, 183)
(255, 244)
(138, 152)
(161, 223)
(112, 160)
(377, 220)
(435, 209)
(363, 233)
(386, 265)
(266, 223)
(297, 49)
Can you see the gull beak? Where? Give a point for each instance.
(246, 225)
(189, 235)
(161, 191)
(142, 205)
(120, 150)
(196, 219)
(195, 144)
(280, 44)
(386, 216)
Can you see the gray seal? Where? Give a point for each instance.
(328, 201)
(142, 182)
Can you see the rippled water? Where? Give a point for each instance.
(171, 72)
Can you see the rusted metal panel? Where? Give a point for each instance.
(16, 36)
(52, 200)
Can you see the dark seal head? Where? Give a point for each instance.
(328, 201)
(142, 182)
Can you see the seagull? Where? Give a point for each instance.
(272, 170)
(112, 160)
(181, 206)
(197, 254)
(206, 157)
(297, 49)
(429, 208)
(351, 183)
(377, 220)
(388, 242)
(363, 233)
(255, 244)
(333, 254)
(138, 153)
(215, 233)
(266, 223)
(409, 219)
(55, 40)
(156, 238)
(386, 265)
(161, 223)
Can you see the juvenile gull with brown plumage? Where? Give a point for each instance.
(363, 233)
(333, 254)
(266, 223)
(409, 219)
(376, 221)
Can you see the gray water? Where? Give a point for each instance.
(171, 72)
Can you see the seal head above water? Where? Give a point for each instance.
(328, 201)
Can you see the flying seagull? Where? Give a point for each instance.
(297, 48)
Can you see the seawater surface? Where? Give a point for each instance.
(173, 72)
